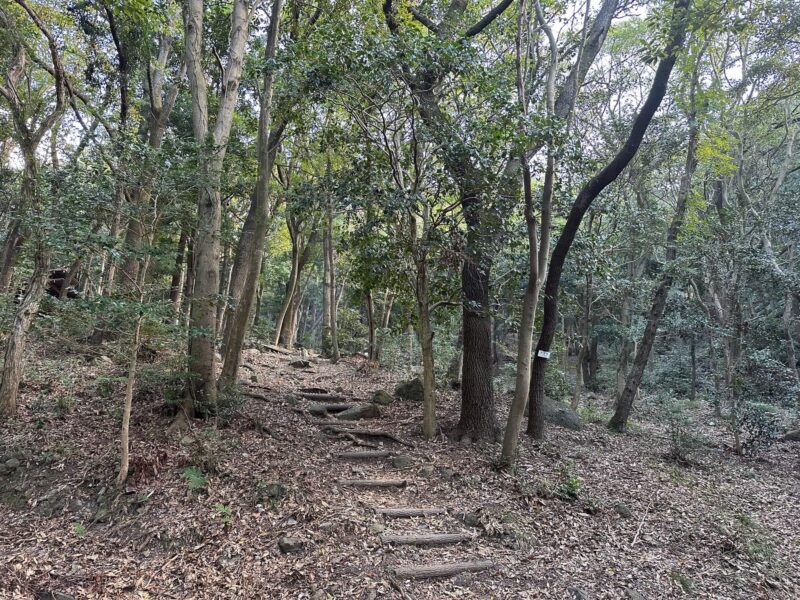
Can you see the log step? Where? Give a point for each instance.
(428, 539)
(374, 483)
(400, 513)
(440, 569)
(363, 454)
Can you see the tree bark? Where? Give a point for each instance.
(202, 388)
(370, 327)
(586, 196)
(624, 404)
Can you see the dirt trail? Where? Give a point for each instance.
(257, 509)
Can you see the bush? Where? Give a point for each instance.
(759, 426)
(556, 386)
(684, 440)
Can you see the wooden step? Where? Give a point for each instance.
(363, 454)
(374, 483)
(440, 569)
(428, 539)
(400, 513)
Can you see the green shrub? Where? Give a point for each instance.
(195, 479)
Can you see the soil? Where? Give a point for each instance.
(587, 514)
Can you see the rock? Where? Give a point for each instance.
(289, 545)
(409, 390)
(633, 595)
(319, 595)
(558, 413)
(187, 440)
(377, 528)
(447, 473)
(427, 470)
(300, 364)
(363, 411)
(12, 463)
(577, 594)
(402, 461)
(623, 510)
(275, 491)
(382, 397)
(792, 436)
(472, 519)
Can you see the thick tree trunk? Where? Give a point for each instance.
(202, 388)
(15, 344)
(478, 418)
(11, 247)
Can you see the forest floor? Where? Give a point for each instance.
(586, 515)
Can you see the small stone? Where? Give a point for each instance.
(402, 461)
(447, 473)
(577, 594)
(319, 595)
(276, 491)
(290, 545)
(383, 398)
(12, 463)
(187, 440)
(427, 470)
(472, 519)
(623, 510)
(101, 516)
(376, 528)
(633, 595)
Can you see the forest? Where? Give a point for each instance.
(400, 299)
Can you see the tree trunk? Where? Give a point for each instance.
(624, 405)
(11, 248)
(426, 343)
(581, 370)
(477, 419)
(386, 315)
(202, 388)
(791, 355)
(15, 344)
(693, 358)
(586, 196)
(124, 437)
(454, 369)
(371, 327)
(328, 289)
(178, 273)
